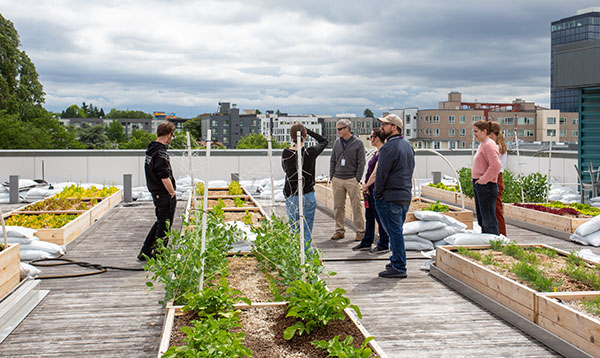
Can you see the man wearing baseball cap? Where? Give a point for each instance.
(393, 185)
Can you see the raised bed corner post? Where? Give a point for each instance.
(205, 207)
(4, 229)
(300, 194)
(462, 196)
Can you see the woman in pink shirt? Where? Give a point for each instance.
(486, 166)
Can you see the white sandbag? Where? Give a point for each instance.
(29, 255)
(588, 255)
(592, 239)
(417, 244)
(568, 197)
(19, 231)
(595, 199)
(217, 184)
(435, 216)
(440, 243)
(588, 227)
(439, 234)
(417, 226)
(474, 238)
(51, 248)
(36, 194)
(18, 240)
(29, 270)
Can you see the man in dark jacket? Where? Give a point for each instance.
(161, 184)
(393, 185)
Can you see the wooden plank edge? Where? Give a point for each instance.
(374, 345)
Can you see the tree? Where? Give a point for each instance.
(194, 126)
(72, 112)
(258, 141)
(43, 132)
(19, 84)
(115, 133)
(93, 137)
(139, 140)
(115, 114)
(368, 113)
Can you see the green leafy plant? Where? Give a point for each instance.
(512, 187)
(314, 305)
(535, 187)
(200, 189)
(579, 270)
(239, 202)
(345, 349)
(469, 253)
(217, 210)
(247, 218)
(437, 207)
(443, 186)
(584, 209)
(466, 181)
(488, 259)
(178, 266)
(212, 337)
(534, 276)
(235, 188)
(214, 300)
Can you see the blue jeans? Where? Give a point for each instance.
(309, 202)
(392, 218)
(485, 206)
(370, 217)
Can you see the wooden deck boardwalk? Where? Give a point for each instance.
(115, 315)
(108, 315)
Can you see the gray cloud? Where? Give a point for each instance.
(300, 57)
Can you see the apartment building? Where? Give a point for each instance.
(228, 126)
(450, 126)
(361, 127)
(409, 116)
(278, 125)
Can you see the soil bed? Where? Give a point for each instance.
(244, 275)
(551, 267)
(264, 328)
(238, 216)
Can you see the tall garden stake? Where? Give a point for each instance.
(4, 229)
(549, 168)
(519, 165)
(189, 150)
(205, 207)
(300, 194)
(270, 151)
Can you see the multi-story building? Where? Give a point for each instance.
(228, 126)
(450, 126)
(279, 125)
(585, 25)
(409, 117)
(361, 127)
(129, 124)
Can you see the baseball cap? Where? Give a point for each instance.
(392, 119)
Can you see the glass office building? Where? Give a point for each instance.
(583, 26)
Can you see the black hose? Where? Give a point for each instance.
(64, 261)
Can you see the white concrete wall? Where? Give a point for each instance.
(108, 167)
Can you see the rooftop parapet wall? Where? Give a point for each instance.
(108, 166)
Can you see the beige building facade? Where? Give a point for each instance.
(450, 126)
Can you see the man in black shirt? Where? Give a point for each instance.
(161, 184)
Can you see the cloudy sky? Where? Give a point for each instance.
(321, 57)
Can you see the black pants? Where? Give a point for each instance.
(164, 207)
(485, 206)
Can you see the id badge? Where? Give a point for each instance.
(343, 162)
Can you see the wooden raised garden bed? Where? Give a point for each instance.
(71, 230)
(10, 268)
(231, 211)
(555, 222)
(541, 308)
(446, 196)
(579, 328)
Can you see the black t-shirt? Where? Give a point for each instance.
(157, 167)
(289, 161)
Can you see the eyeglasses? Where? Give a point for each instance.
(372, 136)
(339, 129)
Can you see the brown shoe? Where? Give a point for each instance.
(337, 236)
(359, 235)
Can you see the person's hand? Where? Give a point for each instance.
(365, 188)
(172, 194)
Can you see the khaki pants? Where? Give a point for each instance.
(350, 186)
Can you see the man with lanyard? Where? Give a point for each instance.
(161, 184)
(346, 169)
(393, 185)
